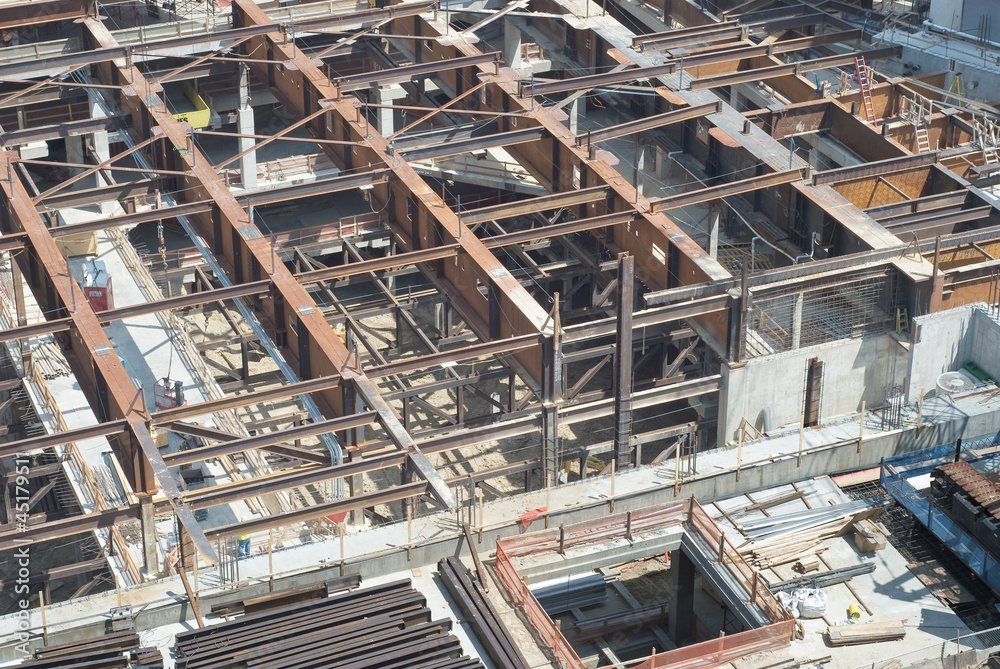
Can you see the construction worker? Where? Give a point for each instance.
(244, 546)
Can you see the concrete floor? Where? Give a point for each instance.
(892, 592)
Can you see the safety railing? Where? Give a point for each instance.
(694, 519)
(895, 475)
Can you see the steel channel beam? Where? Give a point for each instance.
(259, 397)
(727, 55)
(535, 204)
(63, 62)
(12, 242)
(70, 128)
(262, 440)
(454, 355)
(189, 300)
(941, 218)
(36, 329)
(131, 219)
(648, 317)
(718, 32)
(544, 232)
(532, 89)
(656, 121)
(310, 277)
(764, 73)
(475, 144)
(400, 75)
(643, 399)
(879, 168)
(52, 440)
(67, 527)
(727, 190)
(229, 493)
(85, 197)
(393, 494)
(319, 187)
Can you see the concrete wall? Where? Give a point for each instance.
(943, 344)
(853, 370)
(984, 349)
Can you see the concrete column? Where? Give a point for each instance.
(680, 595)
(245, 126)
(511, 45)
(662, 166)
(385, 115)
(577, 111)
(149, 552)
(75, 152)
(797, 320)
(714, 215)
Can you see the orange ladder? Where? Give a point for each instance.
(866, 88)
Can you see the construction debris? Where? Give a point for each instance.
(849, 635)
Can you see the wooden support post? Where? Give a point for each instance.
(45, 627)
(270, 559)
(739, 453)
(479, 495)
(753, 592)
(562, 539)
(628, 525)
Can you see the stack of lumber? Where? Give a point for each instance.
(848, 635)
(791, 537)
(868, 536)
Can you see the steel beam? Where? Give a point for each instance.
(675, 39)
(480, 143)
(393, 494)
(532, 89)
(68, 129)
(623, 362)
(263, 440)
(335, 184)
(131, 219)
(399, 75)
(36, 329)
(551, 231)
(643, 124)
(51, 440)
(258, 397)
(535, 204)
(310, 277)
(726, 190)
(181, 301)
(764, 73)
(67, 527)
(879, 168)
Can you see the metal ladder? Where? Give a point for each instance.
(987, 135)
(917, 111)
(864, 81)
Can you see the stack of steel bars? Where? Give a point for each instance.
(111, 651)
(382, 627)
(481, 615)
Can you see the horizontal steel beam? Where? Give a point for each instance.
(189, 300)
(674, 39)
(879, 168)
(68, 129)
(282, 392)
(62, 62)
(763, 73)
(325, 186)
(393, 494)
(546, 231)
(36, 329)
(454, 355)
(771, 49)
(533, 89)
(51, 440)
(68, 527)
(234, 492)
(398, 75)
(443, 149)
(85, 197)
(262, 440)
(726, 190)
(131, 219)
(649, 317)
(643, 124)
(535, 204)
(378, 264)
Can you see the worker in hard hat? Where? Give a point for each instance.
(244, 546)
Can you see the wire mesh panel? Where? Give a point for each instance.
(789, 317)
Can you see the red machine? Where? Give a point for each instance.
(97, 285)
(168, 394)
